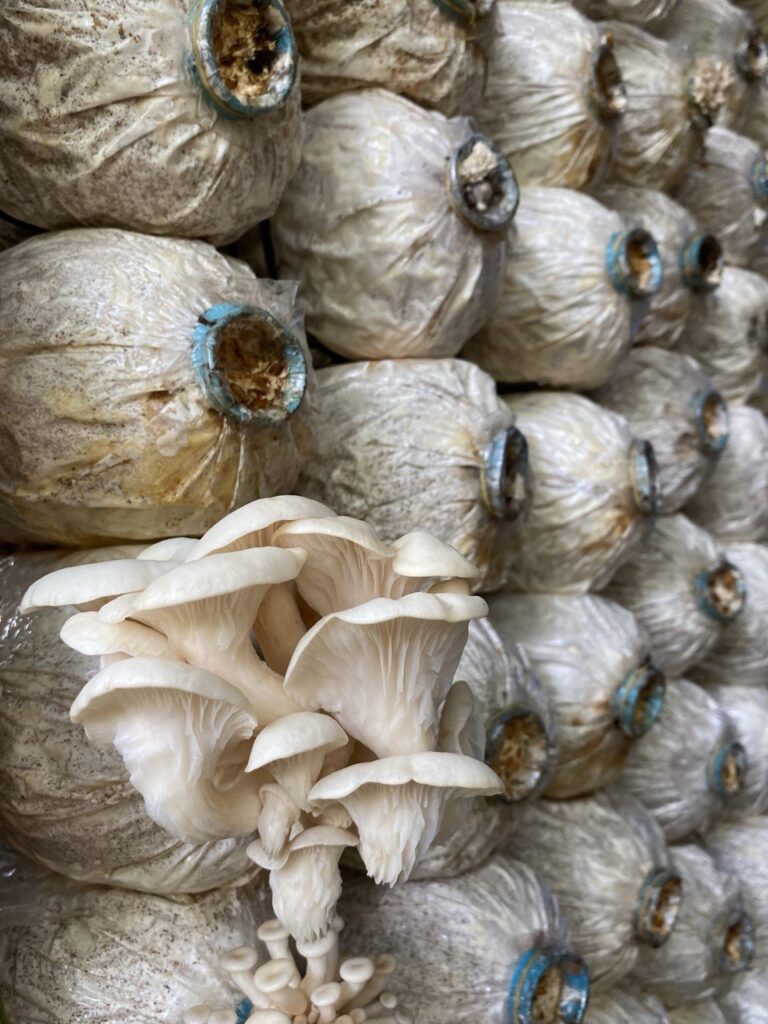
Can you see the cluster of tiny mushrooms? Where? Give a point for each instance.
(290, 675)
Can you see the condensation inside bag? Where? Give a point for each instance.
(712, 940)
(726, 188)
(683, 589)
(731, 502)
(564, 317)
(125, 439)
(64, 801)
(109, 956)
(411, 47)
(606, 861)
(659, 133)
(740, 655)
(118, 130)
(668, 399)
(387, 261)
(463, 946)
(593, 662)
(727, 332)
(553, 94)
(594, 491)
(421, 444)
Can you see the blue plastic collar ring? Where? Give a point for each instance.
(759, 179)
(639, 700)
(250, 368)
(556, 975)
(644, 477)
(727, 768)
(634, 263)
(506, 480)
(711, 420)
(701, 263)
(721, 592)
(520, 750)
(482, 187)
(736, 947)
(658, 904)
(268, 76)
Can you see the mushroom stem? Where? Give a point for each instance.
(384, 1005)
(275, 979)
(277, 817)
(241, 963)
(198, 1014)
(269, 1017)
(275, 937)
(223, 1017)
(322, 958)
(279, 626)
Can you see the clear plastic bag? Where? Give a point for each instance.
(740, 655)
(379, 228)
(739, 848)
(593, 662)
(571, 299)
(465, 947)
(747, 708)
(432, 52)
(12, 232)
(63, 801)
(635, 12)
(726, 188)
(595, 488)
(689, 768)
(96, 955)
(747, 1001)
(731, 502)
(683, 588)
(553, 94)
(668, 399)
(147, 420)
(727, 332)
(703, 1011)
(421, 444)
(613, 877)
(724, 32)
(712, 940)
(670, 104)
(626, 1007)
(132, 122)
(691, 259)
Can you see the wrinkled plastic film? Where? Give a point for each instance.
(739, 848)
(124, 439)
(63, 801)
(625, 1006)
(747, 1001)
(704, 1011)
(747, 709)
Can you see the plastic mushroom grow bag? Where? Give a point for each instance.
(747, 1000)
(64, 802)
(703, 1011)
(668, 399)
(572, 298)
(595, 489)
(421, 444)
(712, 941)
(731, 502)
(167, 118)
(747, 710)
(740, 655)
(671, 102)
(635, 12)
(594, 664)
(726, 188)
(169, 387)
(684, 589)
(621, 1006)
(519, 966)
(553, 94)
(395, 227)
(611, 873)
(432, 51)
(726, 32)
(727, 333)
(692, 260)
(739, 848)
(690, 768)
(108, 956)
(12, 232)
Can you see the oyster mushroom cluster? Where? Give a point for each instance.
(288, 677)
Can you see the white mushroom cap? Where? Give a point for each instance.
(183, 734)
(199, 1014)
(87, 586)
(293, 748)
(396, 804)
(268, 1017)
(87, 633)
(176, 548)
(241, 958)
(384, 667)
(421, 554)
(254, 525)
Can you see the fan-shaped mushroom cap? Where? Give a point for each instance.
(183, 734)
(88, 634)
(206, 609)
(384, 667)
(422, 554)
(176, 548)
(293, 748)
(396, 804)
(88, 586)
(305, 879)
(254, 525)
